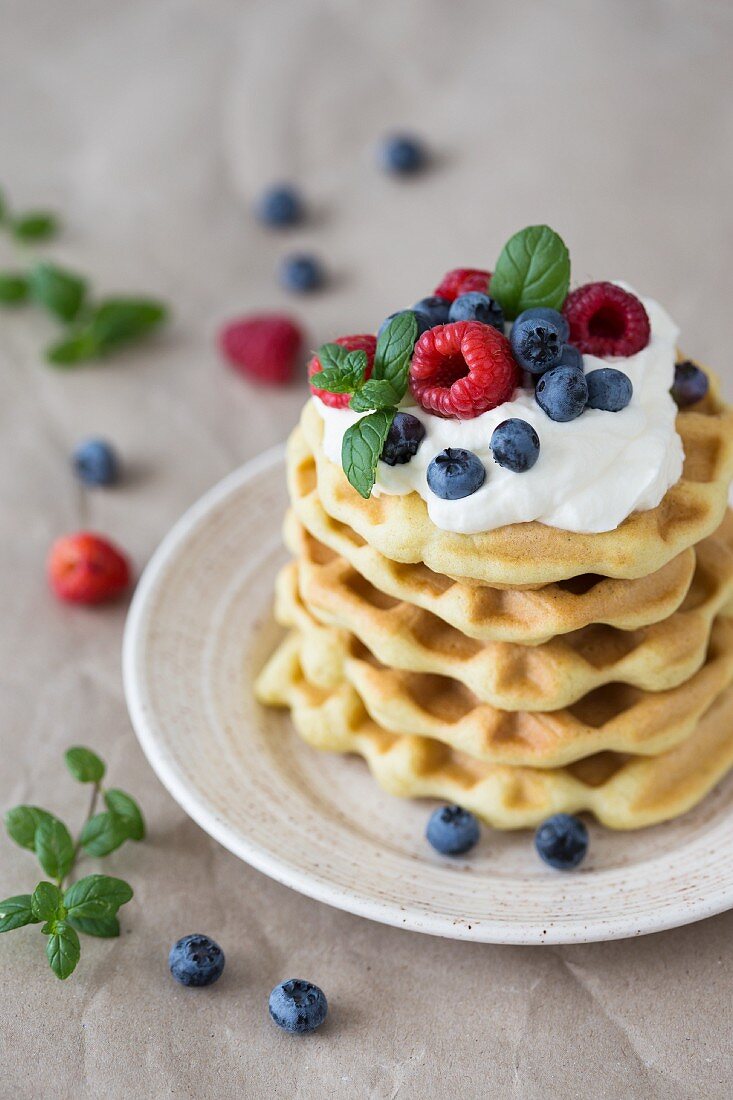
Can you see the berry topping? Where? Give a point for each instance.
(423, 321)
(536, 343)
(402, 154)
(608, 389)
(265, 346)
(562, 841)
(455, 473)
(301, 272)
(570, 357)
(85, 568)
(405, 435)
(462, 369)
(461, 280)
(544, 313)
(435, 308)
(562, 393)
(452, 830)
(690, 384)
(95, 462)
(298, 1006)
(606, 320)
(363, 342)
(515, 445)
(477, 307)
(280, 205)
(196, 960)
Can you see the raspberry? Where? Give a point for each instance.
(362, 342)
(606, 320)
(264, 346)
(463, 369)
(462, 280)
(85, 568)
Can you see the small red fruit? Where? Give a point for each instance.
(264, 346)
(361, 342)
(85, 568)
(462, 280)
(463, 369)
(606, 320)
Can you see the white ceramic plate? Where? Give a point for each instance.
(200, 628)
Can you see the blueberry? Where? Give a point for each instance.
(437, 309)
(562, 393)
(423, 321)
(455, 473)
(301, 272)
(280, 205)
(515, 445)
(562, 841)
(544, 313)
(402, 154)
(570, 357)
(536, 344)
(403, 439)
(690, 384)
(95, 462)
(298, 1006)
(608, 389)
(452, 830)
(196, 960)
(477, 307)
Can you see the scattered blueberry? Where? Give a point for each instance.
(298, 1006)
(403, 439)
(690, 384)
(515, 445)
(477, 307)
(95, 462)
(280, 205)
(455, 473)
(608, 389)
(423, 321)
(562, 841)
(536, 344)
(402, 154)
(544, 313)
(562, 393)
(437, 309)
(570, 356)
(301, 272)
(452, 830)
(196, 960)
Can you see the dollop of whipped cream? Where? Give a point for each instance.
(592, 472)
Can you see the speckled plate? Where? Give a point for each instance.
(199, 629)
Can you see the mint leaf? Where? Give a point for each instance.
(103, 833)
(394, 351)
(128, 810)
(96, 896)
(117, 321)
(47, 902)
(342, 370)
(71, 350)
(36, 225)
(376, 393)
(63, 949)
(84, 765)
(361, 447)
(54, 848)
(104, 927)
(15, 912)
(22, 823)
(59, 291)
(532, 270)
(13, 288)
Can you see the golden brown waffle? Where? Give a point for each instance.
(624, 792)
(528, 554)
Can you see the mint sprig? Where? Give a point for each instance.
(532, 270)
(91, 904)
(361, 447)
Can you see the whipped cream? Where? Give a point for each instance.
(592, 472)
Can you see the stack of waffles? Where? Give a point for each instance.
(521, 671)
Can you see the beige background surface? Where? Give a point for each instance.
(151, 124)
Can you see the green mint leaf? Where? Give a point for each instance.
(63, 949)
(72, 350)
(96, 896)
(104, 927)
(103, 833)
(35, 225)
(362, 445)
(13, 288)
(15, 912)
(334, 381)
(128, 810)
(22, 823)
(376, 393)
(54, 848)
(117, 321)
(59, 291)
(47, 902)
(394, 351)
(84, 765)
(342, 370)
(532, 270)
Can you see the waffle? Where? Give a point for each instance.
(623, 792)
(529, 554)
